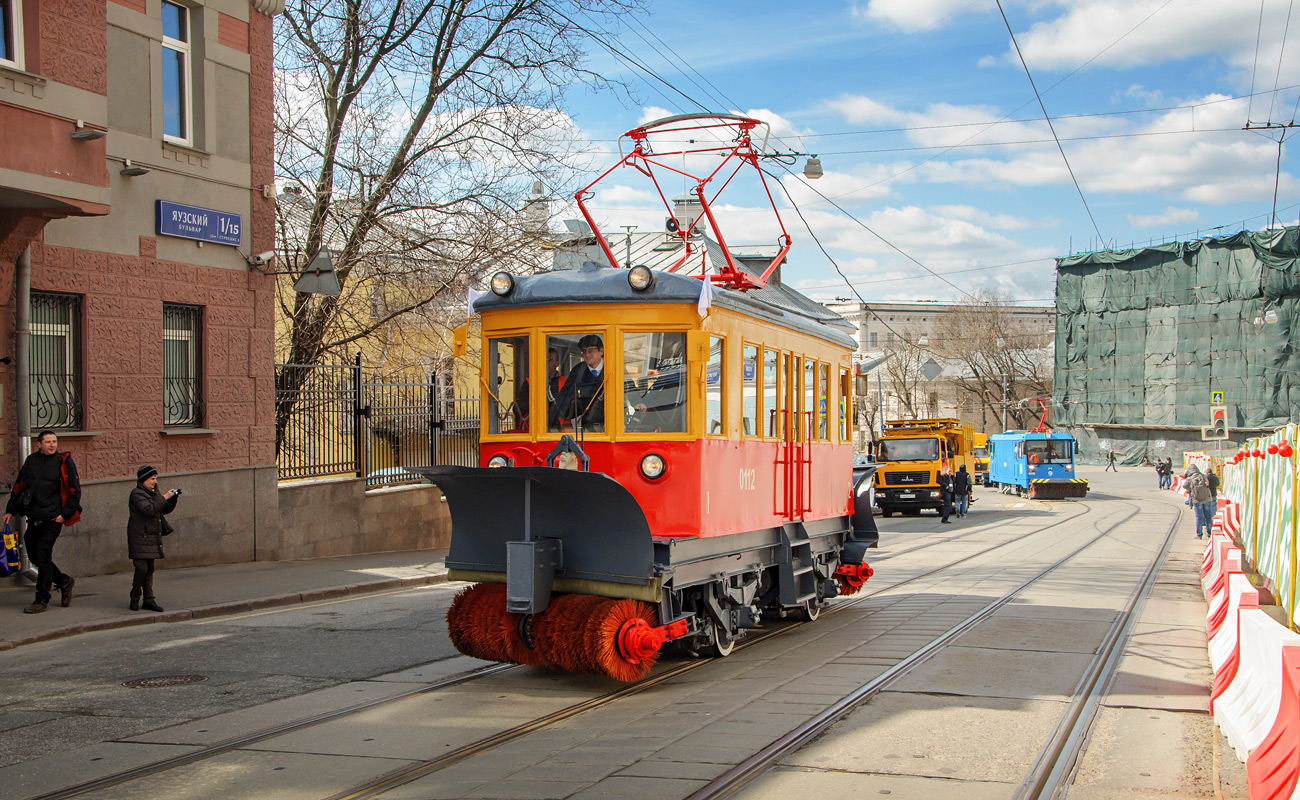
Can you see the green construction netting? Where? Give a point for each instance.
(1143, 336)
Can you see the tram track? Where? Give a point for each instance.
(407, 774)
(1056, 762)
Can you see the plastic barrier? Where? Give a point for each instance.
(1212, 561)
(1274, 766)
(1217, 610)
(1224, 641)
(1245, 702)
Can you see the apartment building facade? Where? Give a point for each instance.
(136, 175)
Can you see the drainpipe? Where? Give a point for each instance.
(23, 384)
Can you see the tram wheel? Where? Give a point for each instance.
(716, 647)
(809, 611)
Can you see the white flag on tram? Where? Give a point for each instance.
(471, 295)
(706, 295)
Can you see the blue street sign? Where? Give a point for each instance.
(200, 224)
(1216, 398)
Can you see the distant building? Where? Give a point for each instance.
(135, 179)
(900, 348)
(1145, 336)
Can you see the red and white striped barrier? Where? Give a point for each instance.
(1273, 769)
(1224, 641)
(1248, 692)
(1218, 608)
(1212, 561)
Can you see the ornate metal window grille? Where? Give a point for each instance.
(55, 354)
(182, 373)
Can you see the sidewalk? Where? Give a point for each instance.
(99, 602)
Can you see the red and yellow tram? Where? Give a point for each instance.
(656, 466)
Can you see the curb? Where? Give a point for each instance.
(223, 609)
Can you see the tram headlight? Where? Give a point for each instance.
(503, 283)
(640, 278)
(498, 461)
(652, 466)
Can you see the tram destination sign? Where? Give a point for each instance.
(200, 224)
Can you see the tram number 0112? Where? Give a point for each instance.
(747, 479)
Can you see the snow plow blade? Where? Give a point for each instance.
(1058, 489)
(585, 532)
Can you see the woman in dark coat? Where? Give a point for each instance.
(144, 532)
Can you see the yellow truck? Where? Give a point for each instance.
(981, 458)
(911, 453)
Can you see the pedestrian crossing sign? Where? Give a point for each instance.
(1216, 398)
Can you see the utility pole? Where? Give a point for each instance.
(1004, 401)
(629, 229)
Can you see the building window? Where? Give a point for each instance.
(875, 339)
(182, 387)
(11, 33)
(55, 354)
(176, 83)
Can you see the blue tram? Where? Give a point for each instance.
(1038, 464)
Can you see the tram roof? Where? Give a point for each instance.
(596, 284)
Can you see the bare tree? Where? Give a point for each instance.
(1002, 357)
(901, 377)
(414, 131)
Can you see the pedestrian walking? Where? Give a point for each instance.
(1169, 473)
(144, 531)
(1200, 499)
(961, 486)
(47, 492)
(1110, 462)
(945, 488)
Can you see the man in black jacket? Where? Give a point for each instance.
(583, 397)
(961, 490)
(48, 493)
(945, 486)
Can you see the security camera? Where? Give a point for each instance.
(261, 258)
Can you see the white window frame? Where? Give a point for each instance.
(15, 22)
(183, 48)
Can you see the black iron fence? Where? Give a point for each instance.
(333, 419)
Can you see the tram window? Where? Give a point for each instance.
(714, 387)
(749, 391)
(1048, 451)
(769, 393)
(785, 400)
(823, 397)
(846, 396)
(810, 397)
(508, 385)
(579, 389)
(654, 382)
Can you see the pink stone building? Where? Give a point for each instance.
(135, 184)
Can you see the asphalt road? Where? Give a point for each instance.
(69, 693)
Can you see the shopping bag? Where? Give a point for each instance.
(12, 562)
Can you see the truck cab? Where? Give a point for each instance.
(910, 455)
(981, 453)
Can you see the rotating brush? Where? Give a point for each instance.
(499, 630)
(557, 633)
(469, 621)
(600, 638)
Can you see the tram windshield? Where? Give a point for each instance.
(508, 386)
(1048, 451)
(654, 382)
(576, 391)
(909, 450)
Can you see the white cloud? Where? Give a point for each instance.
(1004, 222)
(1170, 216)
(910, 15)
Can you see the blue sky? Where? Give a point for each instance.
(882, 90)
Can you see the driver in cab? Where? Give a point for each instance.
(583, 397)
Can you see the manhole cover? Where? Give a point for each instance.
(164, 680)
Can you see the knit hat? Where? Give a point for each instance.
(142, 474)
